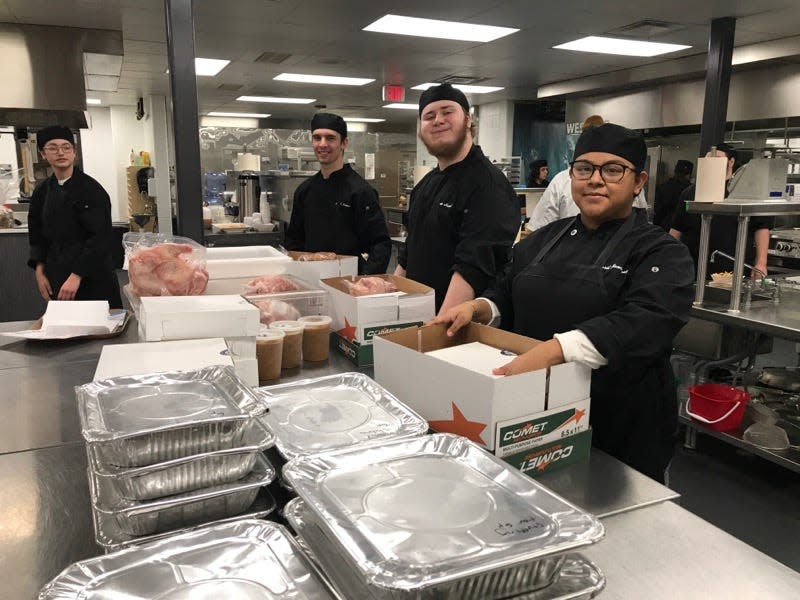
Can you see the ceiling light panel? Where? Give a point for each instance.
(362, 120)
(235, 114)
(467, 89)
(94, 101)
(402, 106)
(208, 67)
(443, 30)
(619, 46)
(322, 79)
(276, 100)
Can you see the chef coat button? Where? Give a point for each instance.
(654, 269)
(573, 232)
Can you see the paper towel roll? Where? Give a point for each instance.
(420, 171)
(710, 186)
(248, 162)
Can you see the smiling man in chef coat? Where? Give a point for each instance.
(463, 215)
(336, 210)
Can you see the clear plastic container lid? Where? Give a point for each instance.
(317, 415)
(433, 509)
(245, 559)
(137, 404)
(267, 334)
(315, 320)
(288, 327)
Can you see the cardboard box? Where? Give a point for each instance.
(314, 270)
(553, 455)
(245, 261)
(188, 317)
(183, 355)
(247, 370)
(361, 318)
(359, 355)
(242, 347)
(538, 429)
(460, 400)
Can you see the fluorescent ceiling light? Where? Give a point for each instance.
(607, 45)
(324, 79)
(467, 89)
(276, 100)
(363, 120)
(208, 67)
(93, 101)
(402, 105)
(433, 28)
(235, 114)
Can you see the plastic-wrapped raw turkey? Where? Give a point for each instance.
(166, 269)
(367, 286)
(276, 310)
(270, 284)
(314, 256)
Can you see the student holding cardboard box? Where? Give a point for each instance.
(606, 289)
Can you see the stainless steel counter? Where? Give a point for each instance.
(664, 551)
(44, 498)
(779, 320)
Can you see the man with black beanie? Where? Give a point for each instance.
(336, 210)
(69, 227)
(464, 214)
(669, 193)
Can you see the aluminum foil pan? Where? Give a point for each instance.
(183, 510)
(182, 474)
(338, 411)
(578, 578)
(439, 517)
(245, 560)
(109, 536)
(140, 420)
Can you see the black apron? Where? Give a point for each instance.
(67, 236)
(630, 410)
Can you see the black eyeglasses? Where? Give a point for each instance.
(611, 172)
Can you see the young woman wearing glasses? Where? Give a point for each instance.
(604, 288)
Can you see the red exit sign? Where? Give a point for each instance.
(394, 93)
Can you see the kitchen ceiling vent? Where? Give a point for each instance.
(647, 28)
(273, 58)
(461, 79)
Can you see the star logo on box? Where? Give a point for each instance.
(348, 332)
(461, 425)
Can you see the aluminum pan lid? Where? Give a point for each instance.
(423, 511)
(137, 404)
(327, 413)
(246, 559)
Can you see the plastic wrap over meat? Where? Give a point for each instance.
(270, 284)
(165, 266)
(276, 310)
(314, 256)
(368, 286)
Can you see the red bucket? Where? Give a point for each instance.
(719, 407)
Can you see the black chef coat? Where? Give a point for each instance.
(630, 305)
(722, 236)
(462, 219)
(340, 214)
(69, 230)
(667, 201)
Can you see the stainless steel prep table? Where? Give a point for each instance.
(44, 498)
(664, 551)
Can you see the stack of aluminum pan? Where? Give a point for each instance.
(243, 560)
(168, 451)
(438, 517)
(333, 413)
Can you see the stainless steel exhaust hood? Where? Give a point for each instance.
(43, 81)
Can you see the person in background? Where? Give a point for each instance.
(669, 193)
(464, 214)
(606, 289)
(336, 210)
(556, 201)
(69, 227)
(685, 227)
(537, 178)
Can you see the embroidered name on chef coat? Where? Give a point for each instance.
(615, 267)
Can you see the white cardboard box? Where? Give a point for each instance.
(537, 429)
(360, 318)
(314, 270)
(242, 347)
(245, 261)
(118, 360)
(247, 370)
(187, 317)
(458, 399)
